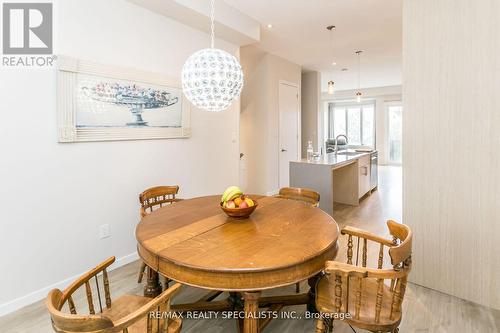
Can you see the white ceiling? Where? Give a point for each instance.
(299, 34)
(230, 24)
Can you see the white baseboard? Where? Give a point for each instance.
(37, 295)
(271, 193)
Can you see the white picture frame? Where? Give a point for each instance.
(71, 69)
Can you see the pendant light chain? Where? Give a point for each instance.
(331, 44)
(358, 93)
(212, 23)
(331, 82)
(212, 78)
(359, 69)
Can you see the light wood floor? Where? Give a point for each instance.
(425, 310)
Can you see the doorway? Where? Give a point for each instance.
(288, 130)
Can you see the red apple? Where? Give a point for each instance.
(243, 204)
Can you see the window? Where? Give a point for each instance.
(357, 121)
(395, 118)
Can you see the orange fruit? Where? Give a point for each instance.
(238, 201)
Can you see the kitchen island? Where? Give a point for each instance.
(344, 177)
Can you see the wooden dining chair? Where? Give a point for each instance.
(372, 296)
(156, 197)
(151, 199)
(300, 194)
(126, 314)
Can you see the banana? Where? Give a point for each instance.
(230, 193)
(234, 195)
(226, 192)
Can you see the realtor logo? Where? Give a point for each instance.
(27, 28)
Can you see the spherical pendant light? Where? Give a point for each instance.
(212, 78)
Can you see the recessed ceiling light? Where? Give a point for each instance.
(334, 63)
(269, 26)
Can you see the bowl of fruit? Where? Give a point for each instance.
(236, 204)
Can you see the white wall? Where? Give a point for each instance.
(253, 120)
(382, 96)
(451, 143)
(260, 117)
(280, 69)
(311, 111)
(54, 196)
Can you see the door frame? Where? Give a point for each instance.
(299, 124)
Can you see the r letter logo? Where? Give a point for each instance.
(27, 28)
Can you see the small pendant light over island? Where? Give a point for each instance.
(358, 93)
(331, 84)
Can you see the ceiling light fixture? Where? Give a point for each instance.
(269, 26)
(358, 93)
(331, 84)
(212, 78)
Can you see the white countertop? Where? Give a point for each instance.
(336, 160)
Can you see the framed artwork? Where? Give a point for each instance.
(101, 103)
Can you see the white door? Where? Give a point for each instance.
(288, 130)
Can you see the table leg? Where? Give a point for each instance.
(236, 301)
(167, 283)
(251, 322)
(153, 286)
(311, 305)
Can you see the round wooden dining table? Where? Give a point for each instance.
(195, 243)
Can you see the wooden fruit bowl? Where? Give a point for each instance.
(239, 213)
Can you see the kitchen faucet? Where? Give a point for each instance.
(336, 147)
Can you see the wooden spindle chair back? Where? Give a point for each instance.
(300, 194)
(95, 319)
(156, 197)
(373, 296)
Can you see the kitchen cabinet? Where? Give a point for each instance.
(339, 178)
(364, 182)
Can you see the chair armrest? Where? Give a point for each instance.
(144, 310)
(333, 267)
(87, 276)
(365, 234)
